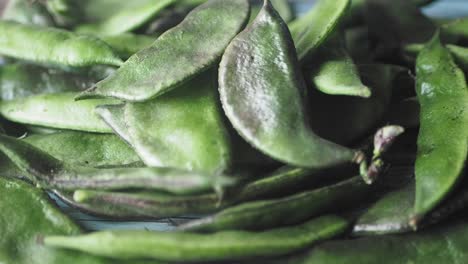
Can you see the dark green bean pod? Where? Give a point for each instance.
(183, 247)
(283, 181)
(127, 44)
(98, 208)
(314, 28)
(261, 215)
(164, 66)
(144, 204)
(390, 214)
(447, 243)
(334, 72)
(54, 46)
(86, 149)
(264, 99)
(443, 136)
(194, 135)
(58, 110)
(51, 173)
(27, 12)
(126, 20)
(23, 80)
(27, 215)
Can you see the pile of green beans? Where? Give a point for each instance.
(339, 136)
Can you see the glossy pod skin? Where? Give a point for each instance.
(22, 80)
(312, 29)
(51, 173)
(164, 66)
(86, 149)
(54, 46)
(443, 95)
(444, 244)
(27, 215)
(194, 136)
(262, 94)
(283, 181)
(183, 247)
(127, 19)
(261, 215)
(334, 72)
(58, 110)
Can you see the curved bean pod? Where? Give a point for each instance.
(262, 95)
(57, 111)
(164, 66)
(261, 215)
(443, 136)
(54, 46)
(52, 173)
(180, 246)
(127, 19)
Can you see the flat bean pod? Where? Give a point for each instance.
(262, 94)
(23, 80)
(194, 136)
(334, 72)
(261, 215)
(180, 246)
(57, 111)
(86, 149)
(27, 214)
(280, 182)
(443, 136)
(164, 66)
(314, 28)
(127, 19)
(51, 173)
(54, 46)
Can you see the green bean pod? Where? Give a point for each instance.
(126, 20)
(57, 110)
(86, 149)
(314, 28)
(194, 135)
(27, 216)
(180, 246)
(334, 72)
(264, 99)
(147, 204)
(113, 116)
(23, 80)
(164, 66)
(51, 173)
(443, 136)
(54, 46)
(283, 181)
(261, 215)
